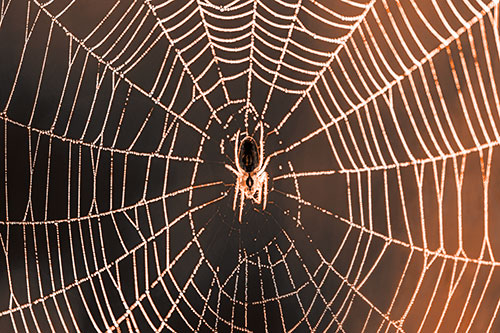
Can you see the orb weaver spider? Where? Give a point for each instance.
(251, 176)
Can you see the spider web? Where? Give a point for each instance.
(380, 118)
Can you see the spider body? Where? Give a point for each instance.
(251, 177)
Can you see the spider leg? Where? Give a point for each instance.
(261, 146)
(230, 168)
(236, 192)
(264, 166)
(242, 202)
(236, 148)
(259, 195)
(265, 191)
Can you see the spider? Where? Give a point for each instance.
(251, 175)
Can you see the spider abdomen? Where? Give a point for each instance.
(248, 154)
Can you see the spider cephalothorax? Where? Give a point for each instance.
(251, 175)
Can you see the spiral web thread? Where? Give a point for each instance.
(402, 93)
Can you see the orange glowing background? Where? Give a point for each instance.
(118, 121)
